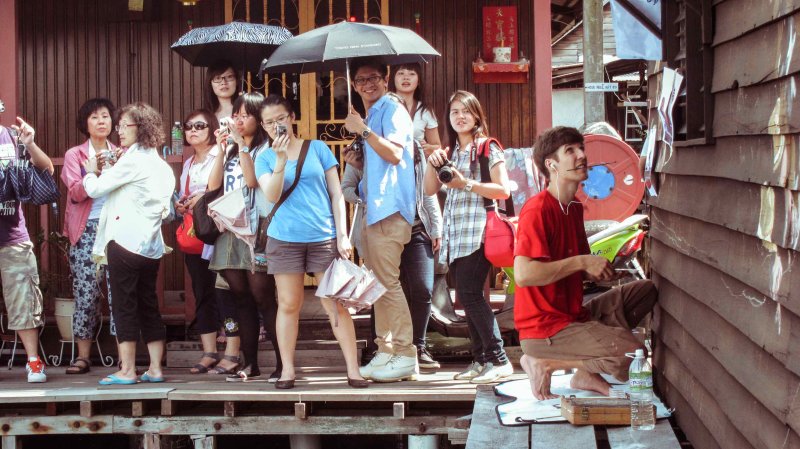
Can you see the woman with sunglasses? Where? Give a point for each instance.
(249, 282)
(306, 234)
(129, 239)
(81, 218)
(199, 128)
(221, 88)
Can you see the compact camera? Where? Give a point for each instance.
(357, 147)
(280, 130)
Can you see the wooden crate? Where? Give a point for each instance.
(601, 410)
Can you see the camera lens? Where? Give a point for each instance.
(445, 174)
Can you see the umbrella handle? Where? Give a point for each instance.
(347, 74)
(353, 222)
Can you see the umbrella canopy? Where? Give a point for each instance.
(245, 45)
(330, 47)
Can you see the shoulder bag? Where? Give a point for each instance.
(185, 234)
(205, 229)
(501, 230)
(31, 184)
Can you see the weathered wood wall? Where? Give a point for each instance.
(73, 50)
(454, 28)
(725, 241)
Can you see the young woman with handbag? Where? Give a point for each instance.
(308, 230)
(464, 227)
(252, 287)
(129, 240)
(81, 218)
(199, 128)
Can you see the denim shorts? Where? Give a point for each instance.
(289, 257)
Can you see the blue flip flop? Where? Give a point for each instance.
(146, 377)
(114, 380)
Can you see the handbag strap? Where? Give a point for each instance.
(300, 161)
(188, 176)
(483, 160)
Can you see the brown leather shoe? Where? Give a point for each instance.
(284, 384)
(358, 383)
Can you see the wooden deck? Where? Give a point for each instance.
(486, 431)
(187, 404)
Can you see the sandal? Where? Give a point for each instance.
(199, 368)
(221, 370)
(79, 366)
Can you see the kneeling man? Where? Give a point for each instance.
(556, 329)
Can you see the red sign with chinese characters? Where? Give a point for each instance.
(499, 30)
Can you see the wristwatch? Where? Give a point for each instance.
(244, 150)
(469, 185)
(366, 133)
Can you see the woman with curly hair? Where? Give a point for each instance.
(138, 190)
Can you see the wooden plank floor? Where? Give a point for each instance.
(313, 384)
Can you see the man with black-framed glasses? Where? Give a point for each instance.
(388, 191)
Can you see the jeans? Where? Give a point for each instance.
(206, 318)
(133, 286)
(416, 277)
(470, 273)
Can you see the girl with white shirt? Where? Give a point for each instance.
(252, 287)
(81, 217)
(138, 189)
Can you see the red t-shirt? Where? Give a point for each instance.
(547, 234)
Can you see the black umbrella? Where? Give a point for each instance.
(245, 45)
(332, 47)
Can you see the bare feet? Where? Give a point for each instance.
(539, 375)
(584, 380)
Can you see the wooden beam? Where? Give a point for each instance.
(138, 408)
(204, 441)
(88, 409)
(594, 109)
(399, 410)
(300, 411)
(542, 61)
(8, 54)
(168, 407)
(230, 409)
(485, 430)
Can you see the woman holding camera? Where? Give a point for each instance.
(139, 189)
(464, 225)
(307, 232)
(81, 217)
(252, 287)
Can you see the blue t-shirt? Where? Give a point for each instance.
(389, 188)
(306, 216)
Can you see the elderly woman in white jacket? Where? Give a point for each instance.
(129, 240)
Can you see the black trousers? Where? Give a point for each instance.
(133, 281)
(206, 318)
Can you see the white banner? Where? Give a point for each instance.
(634, 40)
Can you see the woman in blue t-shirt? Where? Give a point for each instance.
(306, 233)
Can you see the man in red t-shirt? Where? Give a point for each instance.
(552, 260)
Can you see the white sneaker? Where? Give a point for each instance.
(493, 373)
(35, 369)
(472, 371)
(379, 361)
(399, 368)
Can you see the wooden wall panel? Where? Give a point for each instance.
(454, 28)
(768, 108)
(73, 50)
(732, 21)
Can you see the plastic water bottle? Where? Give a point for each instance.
(640, 378)
(177, 138)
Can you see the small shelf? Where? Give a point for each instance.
(501, 72)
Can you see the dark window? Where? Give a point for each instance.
(688, 34)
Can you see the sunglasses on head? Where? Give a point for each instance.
(198, 126)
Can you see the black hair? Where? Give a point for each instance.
(88, 108)
(550, 141)
(252, 106)
(210, 118)
(372, 62)
(277, 100)
(422, 105)
(216, 69)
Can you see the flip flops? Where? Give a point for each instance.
(114, 380)
(146, 377)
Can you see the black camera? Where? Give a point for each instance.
(445, 172)
(357, 147)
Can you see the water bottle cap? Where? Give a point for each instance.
(640, 353)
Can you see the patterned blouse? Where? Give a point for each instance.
(464, 213)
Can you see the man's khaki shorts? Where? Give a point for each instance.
(21, 293)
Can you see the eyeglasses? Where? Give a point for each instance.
(271, 123)
(197, 126)
(372, 80)
(124, 126)
(242, 117)
(219, 79)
